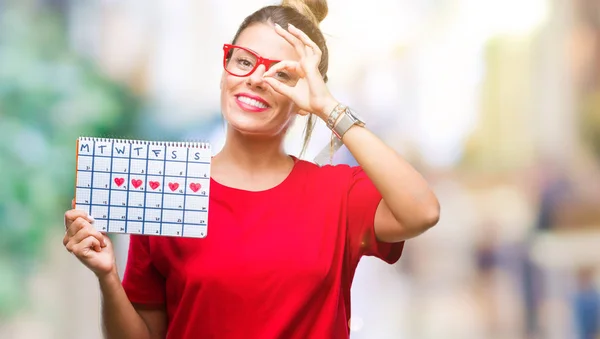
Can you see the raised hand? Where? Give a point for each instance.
(310, 93)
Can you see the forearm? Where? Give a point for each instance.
(120, 320)
(404, 190)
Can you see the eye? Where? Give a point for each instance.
(283, 75)
(243, 62)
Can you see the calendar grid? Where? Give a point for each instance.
(187, 160)
(92, 178)
(146, 183)
(155, 192)
(162, 202)
(129, 185)
(112, 146)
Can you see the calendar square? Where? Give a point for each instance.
(84, 179)
(99, 212)
(154, 215)
(173, 216)
(100, 180)
(136, 199)
(154, 184)
(154, 200)
(197, 186)
(134, 227)
(195, 231)
(156, 167)
(85, 163)
(198, 170)
(194, 217)
(196, 203)
(174, 202)
(137, 166)
(135, 214)
(119, 181)
(83, 207)
(137, 182)
(151, 228)
(175, 185)
(144, 187)
(175, 168)
(101, 197)
(172, 229)
(116, 226)
(102, 164)
(118, 213)
(100, 225)
(118, 198)
(120, 165)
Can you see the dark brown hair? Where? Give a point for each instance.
(306, 15)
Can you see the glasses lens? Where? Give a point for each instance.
(240, 62)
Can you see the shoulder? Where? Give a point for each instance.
(338, 174)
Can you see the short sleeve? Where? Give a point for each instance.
(363, 200)
(142, 282)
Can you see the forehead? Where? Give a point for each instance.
(263, 39)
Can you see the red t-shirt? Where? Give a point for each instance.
(276, 264)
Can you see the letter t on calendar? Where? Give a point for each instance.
(157, 188)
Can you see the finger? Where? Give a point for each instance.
(72, 215)
(286, 65)
(73, 204)
(297, 43)
(279, 87)
(88, 231)
(304, 38)
(77, 225)
(81, 248)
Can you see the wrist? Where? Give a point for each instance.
(328, 108)
(109, 277)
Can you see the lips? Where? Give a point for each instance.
(251, 103)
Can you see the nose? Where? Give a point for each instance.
(256, 78)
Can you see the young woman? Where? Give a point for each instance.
(286, 235)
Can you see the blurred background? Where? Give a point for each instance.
(497, 102)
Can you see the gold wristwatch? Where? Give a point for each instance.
(340, 125)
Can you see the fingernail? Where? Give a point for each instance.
(91, 219)
(290, 25)
(277, 25)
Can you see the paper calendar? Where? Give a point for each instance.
(144, 187)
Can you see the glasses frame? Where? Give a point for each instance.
(268, 63)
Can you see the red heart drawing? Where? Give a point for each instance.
(154, 184)
(195, 186)
(136, 183)
(173, 186)
(119, 181)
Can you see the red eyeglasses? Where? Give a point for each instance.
(241, 62)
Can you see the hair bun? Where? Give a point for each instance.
(315, 10)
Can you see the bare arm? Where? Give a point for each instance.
(120, 319)
(123, 320)
(408, 207)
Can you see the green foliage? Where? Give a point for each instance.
(48, 97)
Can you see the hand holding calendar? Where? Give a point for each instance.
(91, 247)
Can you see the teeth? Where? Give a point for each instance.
(251, 102)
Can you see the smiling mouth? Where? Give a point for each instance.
(252, 102)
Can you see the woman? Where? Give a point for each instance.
(286, 235)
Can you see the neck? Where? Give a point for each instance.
(251, 152)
